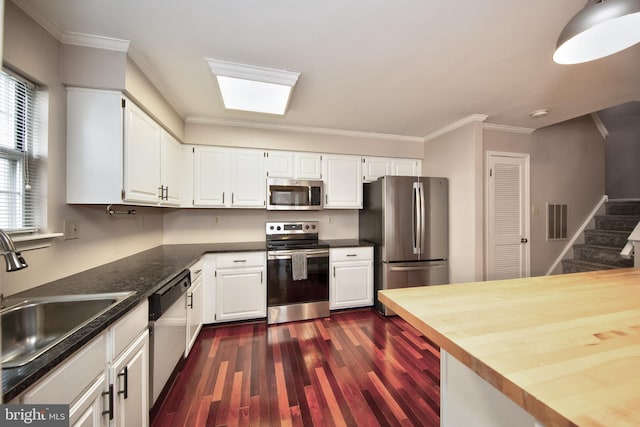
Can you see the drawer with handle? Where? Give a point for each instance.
(351, 254)
(240, 260)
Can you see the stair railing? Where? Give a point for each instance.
(577, 234)
(633, 243)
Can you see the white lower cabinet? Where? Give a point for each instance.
(241, 290)
(105, 383)
(234, 286)
(129, 376)
(351, 279)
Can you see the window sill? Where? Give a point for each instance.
(34, 241)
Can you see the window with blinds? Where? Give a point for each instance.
(20, 185)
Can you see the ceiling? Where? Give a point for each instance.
(406, 68)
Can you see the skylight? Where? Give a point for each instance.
(252, 88)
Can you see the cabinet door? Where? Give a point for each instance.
(375, 167)
(129, 375)
(210, 169)
(279, 164)
(194, 312)
(209, 289)
(351, 284)
(87, 410)
(142, 140)
(240, 294)
(405, 167)
(307, 165)
(343, 181)
(171, 170)
(248, 180)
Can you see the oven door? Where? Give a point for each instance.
(289, 299)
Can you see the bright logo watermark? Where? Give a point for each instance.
(34, 415)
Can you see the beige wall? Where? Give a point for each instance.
(233, 136)
(32, 51)
(457, 156)
(567, 166)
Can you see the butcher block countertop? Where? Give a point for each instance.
(565, 348)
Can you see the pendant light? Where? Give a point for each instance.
(601, 28)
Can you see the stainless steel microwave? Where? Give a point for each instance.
(294, 194)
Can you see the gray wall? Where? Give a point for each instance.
(567, 166)
(622, 148)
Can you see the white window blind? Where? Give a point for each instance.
(20, 182)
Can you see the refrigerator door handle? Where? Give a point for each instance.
(421, 236)
(415, 217)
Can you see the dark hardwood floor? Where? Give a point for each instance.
(356, 368)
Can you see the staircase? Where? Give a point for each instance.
(602, 245)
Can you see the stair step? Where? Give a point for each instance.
(601, 255)
(611, 238)
(623, 207)
(577, 266)
(617, 222)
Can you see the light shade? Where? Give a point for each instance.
(601, 28)
(251, 88)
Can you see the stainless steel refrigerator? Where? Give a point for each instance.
(407, 218)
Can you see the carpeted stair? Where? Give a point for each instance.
(602, 245)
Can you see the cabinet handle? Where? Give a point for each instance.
(326, 198)
(190, 304)
(161, 190)
(334, 271)
(223, 197)
(110, 410)
(125, 374)
(261, 277)
(166, 192)
(232, 194)
(239, 260)
(352, 254)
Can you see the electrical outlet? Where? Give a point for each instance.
(71, 229)
(216, 220)
(330, 219)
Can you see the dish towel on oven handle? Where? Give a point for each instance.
(299, 265)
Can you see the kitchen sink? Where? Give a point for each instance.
(31, 326)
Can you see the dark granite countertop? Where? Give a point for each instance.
(143, 273)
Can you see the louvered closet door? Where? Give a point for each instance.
(508, 217)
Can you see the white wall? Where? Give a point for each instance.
(457, 156)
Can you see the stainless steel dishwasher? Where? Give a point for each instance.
(167, 331)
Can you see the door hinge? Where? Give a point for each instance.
(122, 194)
(490, 172)
(124, 103)
(193, 150)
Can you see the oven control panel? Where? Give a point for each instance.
(296, 227)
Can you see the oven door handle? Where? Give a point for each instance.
(309, 253)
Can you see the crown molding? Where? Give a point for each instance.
(301, 129)
(98, 42)
(600, 125)
(505, 128)
(453, 126)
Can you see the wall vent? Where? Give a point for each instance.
(556, 221)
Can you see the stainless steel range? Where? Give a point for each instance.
(297, 272)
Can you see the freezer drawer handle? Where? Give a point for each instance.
(417, 268)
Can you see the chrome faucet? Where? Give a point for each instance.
(11, 256)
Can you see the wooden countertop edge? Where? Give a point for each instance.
(548, 416)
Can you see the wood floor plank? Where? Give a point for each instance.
(356, 368)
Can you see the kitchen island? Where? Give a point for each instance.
(564, 350)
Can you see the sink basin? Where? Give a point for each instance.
(31, 326)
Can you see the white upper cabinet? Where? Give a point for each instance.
(307, 165)
(279, 164)
(298, 165)
(116, 153)
(229, 177)
(248, 179)
(375, 167)
(342, 175)
(210, 169)
(406, 167)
